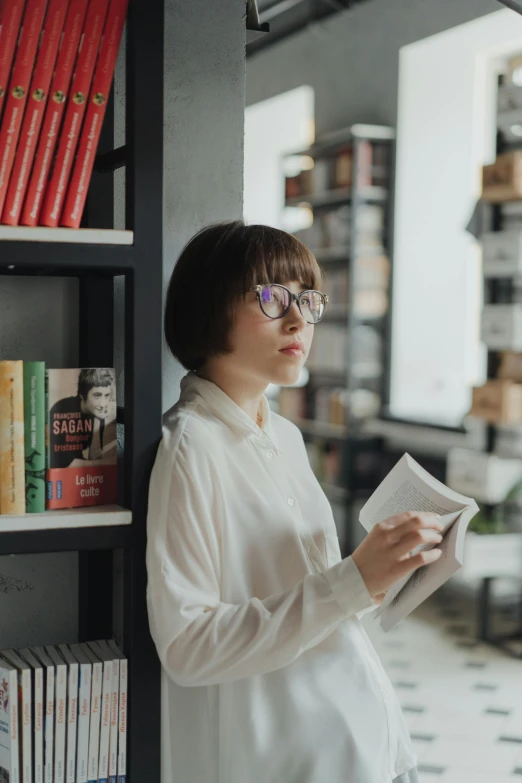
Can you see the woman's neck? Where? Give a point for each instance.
(244, 392)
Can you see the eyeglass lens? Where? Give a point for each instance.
(276, 301)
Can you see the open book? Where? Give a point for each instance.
(408, 487)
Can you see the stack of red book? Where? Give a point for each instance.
(57, 60)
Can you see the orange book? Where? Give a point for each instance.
(70, 133)
(36, 100)
(12, 467)
(10, 18)
(18, 90)
(90, 135)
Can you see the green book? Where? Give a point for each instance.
(34, 430)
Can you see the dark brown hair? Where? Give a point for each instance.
(217, 267)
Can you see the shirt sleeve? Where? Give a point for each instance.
(200, 639)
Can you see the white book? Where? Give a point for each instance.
(60, 713)
(9, 723)
(24, 707)
(49, 677)
(84, 711)
(115, 700)
(94, 721)
(122, 715)
(37, 713)
(72, 712)
(105, 724)
(408, 487)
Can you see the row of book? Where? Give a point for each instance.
(336, 170)
(57, 437)
(333, 228)
(325, 461)
(63, 714)
(329, 351)
(57, 60)
(329, 405)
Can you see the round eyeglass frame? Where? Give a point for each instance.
(293, 298)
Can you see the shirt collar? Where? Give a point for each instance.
(226, 409)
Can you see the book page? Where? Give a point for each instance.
(408, 487)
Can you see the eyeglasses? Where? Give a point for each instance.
(276, 300)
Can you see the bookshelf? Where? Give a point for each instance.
(501, 265)
(345, 181)
(108, 264)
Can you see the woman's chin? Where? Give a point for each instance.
(287, 376)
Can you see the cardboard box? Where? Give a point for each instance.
(502, 180)
(485, 477)
(498, 402)
(510, 366)
(502, 253)
(502, 326)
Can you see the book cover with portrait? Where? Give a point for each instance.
(81, 438)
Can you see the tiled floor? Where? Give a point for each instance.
(462, 699)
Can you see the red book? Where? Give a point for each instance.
(101, 85)
(82, 452)
(34, 112)
(74, 114)
(54, 111)
(18, 89)
(11, 17)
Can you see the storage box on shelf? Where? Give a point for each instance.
(96, 254)
(345, 179)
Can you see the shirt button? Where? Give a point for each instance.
(269, 454)
(291, 501)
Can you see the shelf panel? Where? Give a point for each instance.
(338, 196)
(321, 428)
(68, 530)
(64, 259)
(82, 236)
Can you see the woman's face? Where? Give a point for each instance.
(258, 343)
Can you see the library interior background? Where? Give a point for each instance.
(387, 136)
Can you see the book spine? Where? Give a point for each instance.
(84, 709)
(58, 181)
(49, 724)
(54, 111)
(94, 727)
(34, 436)
(12, 477)
(122, 723)
(36, 102)
(113, 742)
(38, 712)
(18, 89)
(27, 740)
(90, 135)
(60, 723)
(105, 730)
(16, 772)
(72, 722)
(11, 19)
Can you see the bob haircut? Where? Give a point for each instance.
(215, 270)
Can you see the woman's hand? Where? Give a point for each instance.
(384, 555)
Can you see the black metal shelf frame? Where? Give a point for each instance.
(140, 267)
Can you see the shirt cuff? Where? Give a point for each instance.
(348, 587)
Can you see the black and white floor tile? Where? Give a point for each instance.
(462, 699)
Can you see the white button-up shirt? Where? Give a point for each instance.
(270, 676)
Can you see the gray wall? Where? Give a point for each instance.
(352, 59)
(204, 129)
(204, 121)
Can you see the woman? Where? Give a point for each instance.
(270, 676)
